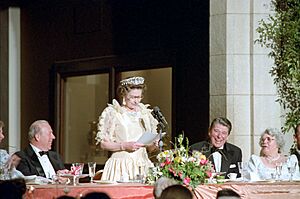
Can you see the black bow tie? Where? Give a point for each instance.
(214, 149)
(43, 153)
(221, 151)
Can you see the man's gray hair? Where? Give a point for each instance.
(35, 128)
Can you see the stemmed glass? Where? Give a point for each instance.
(77, 168)
(55, 180)
(243, 166)
(92, 170)
(278, 170)
(291, 169)
(141, 170)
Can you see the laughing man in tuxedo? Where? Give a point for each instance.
(222, 154)
(37, 159)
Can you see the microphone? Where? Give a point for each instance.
(159, 116)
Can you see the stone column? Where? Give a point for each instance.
(241, 87)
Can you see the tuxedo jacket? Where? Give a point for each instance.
(297, 155)
(30, 164)
(231, 155)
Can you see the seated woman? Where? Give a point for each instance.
(6, 162)
(264, 166)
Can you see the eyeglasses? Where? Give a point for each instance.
(269, 139)
(135, 97)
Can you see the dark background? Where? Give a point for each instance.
(56, 30)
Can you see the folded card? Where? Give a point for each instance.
(148, 137)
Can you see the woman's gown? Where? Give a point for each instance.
(258, 171)
(119, 125)
(4, 158)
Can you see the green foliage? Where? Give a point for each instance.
(281, 33)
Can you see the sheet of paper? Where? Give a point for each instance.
(148, 138)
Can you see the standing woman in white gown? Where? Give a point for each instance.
(120, 126)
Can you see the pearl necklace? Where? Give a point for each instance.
(271, 160)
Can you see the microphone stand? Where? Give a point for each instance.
(160, 142)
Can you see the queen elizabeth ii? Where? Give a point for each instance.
(119, 128)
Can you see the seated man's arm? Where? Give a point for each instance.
(24, 164)
(57, 163)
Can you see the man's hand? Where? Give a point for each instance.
(13, 161)
(63, 171)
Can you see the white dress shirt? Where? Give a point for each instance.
(217, 160)
(45, 162)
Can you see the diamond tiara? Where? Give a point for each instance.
(132, 81)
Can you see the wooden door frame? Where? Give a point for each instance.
(112, 65)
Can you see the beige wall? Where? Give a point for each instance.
(241, 87)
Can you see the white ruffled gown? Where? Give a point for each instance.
(119, 125)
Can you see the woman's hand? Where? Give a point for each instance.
(106, 144)
(131, 146)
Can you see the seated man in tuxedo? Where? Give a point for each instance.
(37, 159)
(296, 150)
(223, 155)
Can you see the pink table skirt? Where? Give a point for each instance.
(258, 190)
(115, 191)
(261, 190)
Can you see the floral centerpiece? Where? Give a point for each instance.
(187, 168)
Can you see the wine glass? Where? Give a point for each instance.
(77, 169)
(278, 170)
(291, 169)
(92, 170)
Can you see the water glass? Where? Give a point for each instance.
(92, 170)
(140, 175)
(291, 169)
(243, 166)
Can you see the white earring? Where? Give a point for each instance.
(124, 102)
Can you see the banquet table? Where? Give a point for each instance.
(264, 190)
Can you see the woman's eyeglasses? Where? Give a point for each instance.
(135, 97)
(269, 139)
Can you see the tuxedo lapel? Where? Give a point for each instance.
(226, 158)
(225, 164)
(53, 161)
(35, 161)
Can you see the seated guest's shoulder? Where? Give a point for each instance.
(199, 146)
(232, 146)
(54, 153)
(20, 154)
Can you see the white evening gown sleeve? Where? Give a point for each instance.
(293, 160)
(4, 158)
(149, 121)
(253, 166)
(106, 124)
